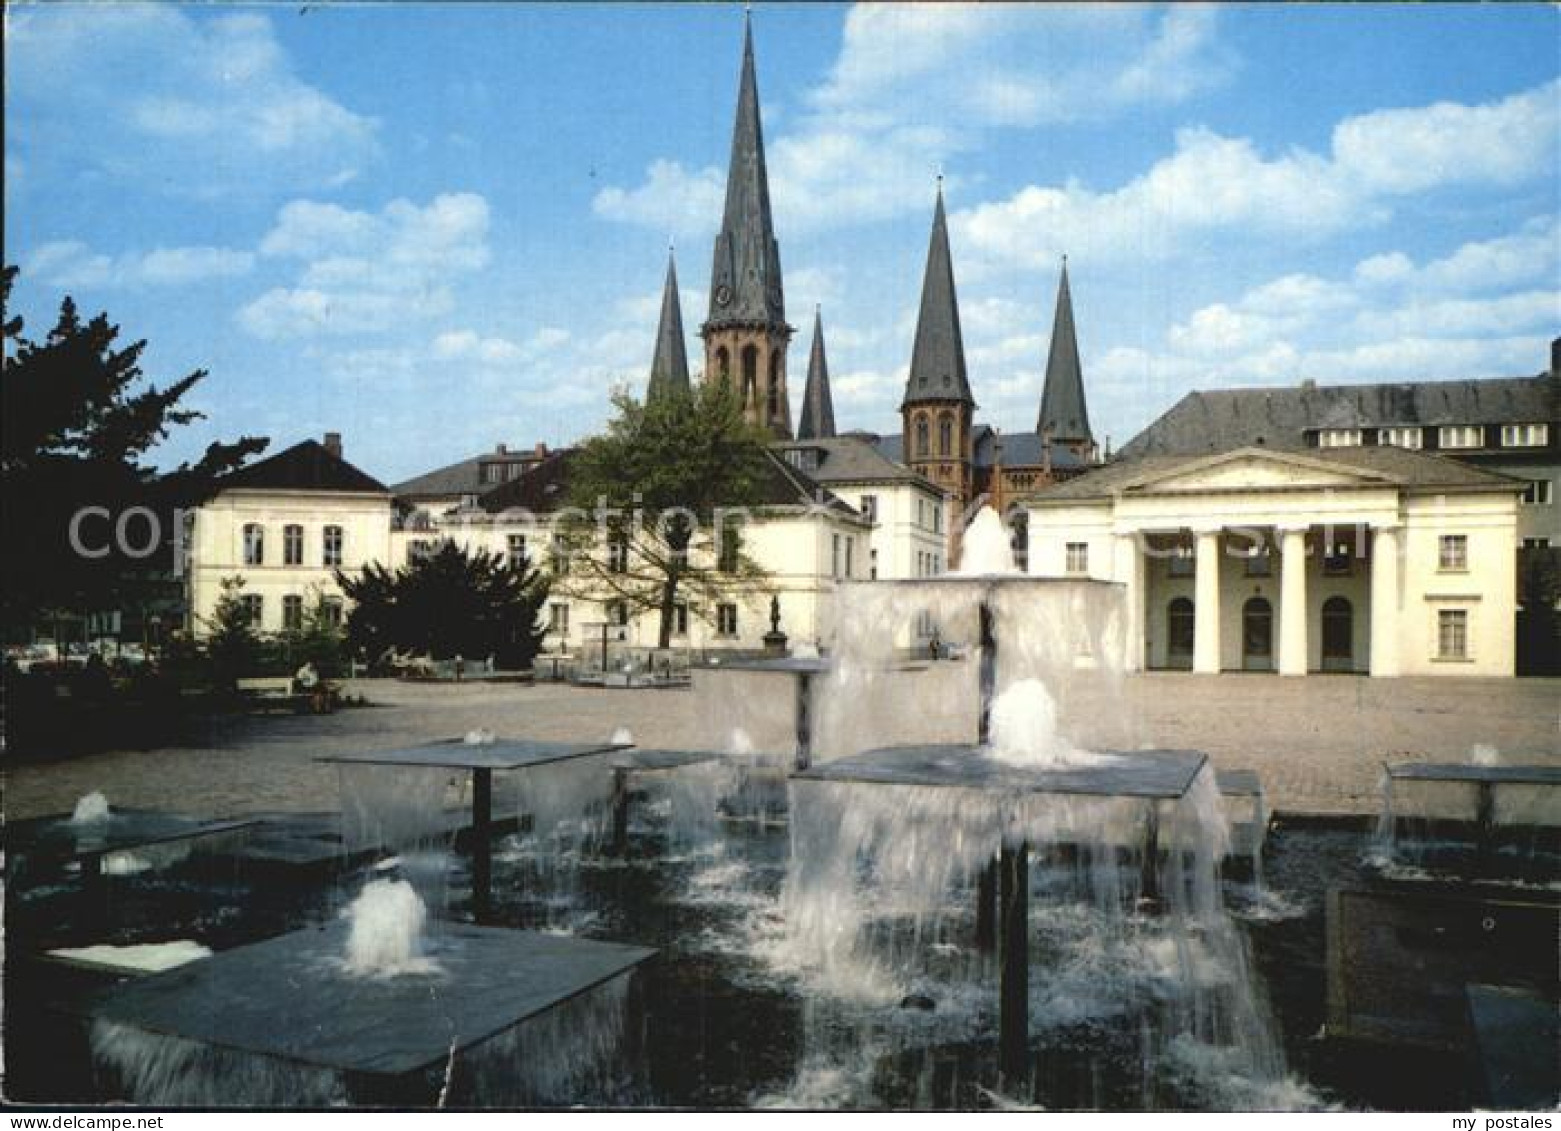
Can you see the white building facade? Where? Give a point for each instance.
(1377, 561)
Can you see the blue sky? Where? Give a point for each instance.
(436, 228)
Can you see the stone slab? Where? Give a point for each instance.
(454, 754)
(1468, 772)
(287, 998)
(1147, 774)
(649, 761)
(124, 830)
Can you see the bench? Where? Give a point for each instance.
(265, 693)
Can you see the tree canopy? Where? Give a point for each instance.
(449, 603)
(78, 425)
(664, 470)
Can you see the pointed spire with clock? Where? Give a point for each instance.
(746, 333)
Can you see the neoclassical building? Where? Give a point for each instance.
(1370, 560)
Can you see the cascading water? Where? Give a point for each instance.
(1157, 994)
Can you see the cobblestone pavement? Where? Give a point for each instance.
(1318, 743)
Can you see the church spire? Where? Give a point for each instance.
(746, 334)
(1063, 414)
(745, 278)
(938, 356)
(818, 408)
(669, 364)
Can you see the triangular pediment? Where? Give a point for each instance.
(1255, 469)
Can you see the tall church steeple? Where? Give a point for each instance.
(938, 408)
(669, 364)
(818, 407)
(1064, 417)
(746, 332)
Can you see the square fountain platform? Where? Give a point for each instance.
(1464, 771)
(1142, 773)
(503, 754)
(288, 999)
(653, 761)
(62, 839)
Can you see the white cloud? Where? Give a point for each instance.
(218, 109)
(71, 263)
(854, 155)
(1213, 184)
(364, 271)
(675, 200)
(1411, 150)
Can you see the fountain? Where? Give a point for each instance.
(375, 1009)
(886, 838)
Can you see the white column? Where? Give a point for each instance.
(1292, 601)
(1384, 601)
(1206, 622)
(1130, 571)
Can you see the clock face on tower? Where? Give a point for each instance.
(723, 295)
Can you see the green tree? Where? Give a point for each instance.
(446, 604)
(654, 486)
(78, 425)
(233, 647)
(320, 638)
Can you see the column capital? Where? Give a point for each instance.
(1204, 529)
(1292, 528)
(1386, 527)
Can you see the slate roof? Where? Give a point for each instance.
(1019, 449)
(938, 356)
(669, 363)
(746, 270)
(1221, 419)
(1389, 465)
(463, 478)
(541, 490)
(1063, 410)
(852, 458)
(818, 407)
(545, 488)
(306, 466)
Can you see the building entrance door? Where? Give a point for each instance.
(1257, 635)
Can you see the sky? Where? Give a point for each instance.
(436, 228)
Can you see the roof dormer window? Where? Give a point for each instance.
(1525, 435)
(1461, 436)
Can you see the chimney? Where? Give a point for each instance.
(1555, 357)
(541, 450)
(501, 450)
(333, 444)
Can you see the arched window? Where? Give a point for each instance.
(946, 435)
(923, 445)
(1257, 634)
(1180, 623)
(772, 405)
(1338, 635)
(723, 365)
(750, 375)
